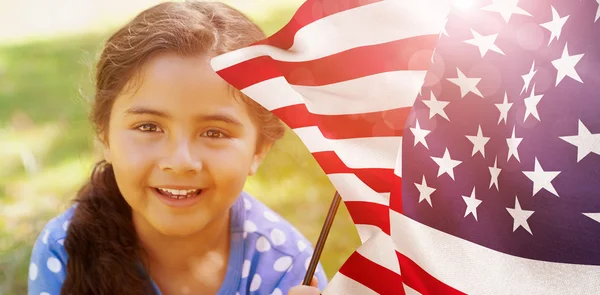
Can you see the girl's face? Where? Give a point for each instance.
(181, 145)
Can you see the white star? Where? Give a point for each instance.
(444, 32)
(466, 84)
(436, 107)
(420, 134)
(565, 66)
(542, 179)
(513, 144)
(585, 141)
(598, 12)
(520, 216)
(484, 43)
(472, 204)
(531, 103)
(555, 26)
(594, 216)
(424, 191)
(528, 77)
(478, 142)
(506, 8)
(503, 108)
(446, 164)
(495, 172)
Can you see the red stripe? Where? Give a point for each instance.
(380, 180)
(405, 54)
(370, 214)
(374, 124)
(372, 275)
(309, 12)
(396, 194)
(421, 281)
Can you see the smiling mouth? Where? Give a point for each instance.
(178, 194)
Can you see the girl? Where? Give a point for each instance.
(164, 212)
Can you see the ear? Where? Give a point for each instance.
(258, 157)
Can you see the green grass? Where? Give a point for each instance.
(43, 116)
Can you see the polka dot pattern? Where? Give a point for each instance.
(274, 259)
(53, 265)
(45, 237)
(263, 245)
(301, 246)
(256, 281)
(270, 216)
(245, 269)
(278, 237)
(283, 263)
(249, 226)
(33, 271)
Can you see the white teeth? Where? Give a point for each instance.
(179, 194)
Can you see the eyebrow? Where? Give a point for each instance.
(212, 117)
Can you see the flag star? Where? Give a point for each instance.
(503, 108)
(520, 216)
(594, 216)
(479, 142)
(466, 84)
(513, 144)
(541, 179)
(597, 12)
(444, 32)
(555, 26)
(531, 103)
(484, 43)
(425, 191)
(528, 77)
(436, 107)
(565, 66)
(446, 164)
(585, 141)
(472, 204)
(420, 135)
(495, 172)
(506, 8)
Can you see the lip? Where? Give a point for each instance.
(178, 203)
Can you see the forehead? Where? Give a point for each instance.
(180, 84)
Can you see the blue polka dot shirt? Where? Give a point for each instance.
(267, 254)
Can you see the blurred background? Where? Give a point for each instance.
(48, 49)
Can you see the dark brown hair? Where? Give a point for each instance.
(102, 246)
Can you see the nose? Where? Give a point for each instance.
(181, 160)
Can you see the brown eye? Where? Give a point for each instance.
(214, 134)
(148, 128)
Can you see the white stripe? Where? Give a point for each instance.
(378, 92)
(474, 269)
(410, 291)
(366, 231)
(364, 152)
(398, 167)
(371, 24)
(352, 189)
(343, 285)
(380, 249)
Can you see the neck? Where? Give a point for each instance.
(209, 246)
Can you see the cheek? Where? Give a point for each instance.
(230, 166)
(130, 159)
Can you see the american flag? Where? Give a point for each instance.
(464, 140)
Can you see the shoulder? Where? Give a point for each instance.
(55, 230)
(276, 254)
(271, 231)
(48, 256)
